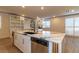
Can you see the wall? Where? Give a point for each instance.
(4, 31)
(57, 24)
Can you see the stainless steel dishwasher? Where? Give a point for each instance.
(39, 45)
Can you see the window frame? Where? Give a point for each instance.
(74, 27)
(48, 25)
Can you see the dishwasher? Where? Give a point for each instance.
(39, 45)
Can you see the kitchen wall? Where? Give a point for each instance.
(57, 24)
(4, 31)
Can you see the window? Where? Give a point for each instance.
(72, 26)
(69, 30)
(77, 26)
(46, 23)
(0, 22)
(69, 26)
(77, 21)
(69, 22)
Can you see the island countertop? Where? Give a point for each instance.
(47, 35)
(51, 37)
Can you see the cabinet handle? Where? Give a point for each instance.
(23, 41)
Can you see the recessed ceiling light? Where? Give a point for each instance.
(42, 8)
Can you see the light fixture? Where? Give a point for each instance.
(42, 8)
(23, 6)
(72, 10)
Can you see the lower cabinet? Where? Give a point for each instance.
(18, 41)
(22, 42)
(27, 44)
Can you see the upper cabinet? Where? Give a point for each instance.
(16, 23)
(21, 23)
(32, 24)
(38, 24)
(28, 24)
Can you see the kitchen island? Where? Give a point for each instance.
(51, 37)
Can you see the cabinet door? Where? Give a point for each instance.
(27, 44)
(21, 42)
(18, 41)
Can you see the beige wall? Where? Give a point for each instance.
(4, 31)
(57, 24)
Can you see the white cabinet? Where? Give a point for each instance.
(27, 24)
(27, 44)
(22, 42)
(18, 41)
(15, 23)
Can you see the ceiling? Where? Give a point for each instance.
(34, 11)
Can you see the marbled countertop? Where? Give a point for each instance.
(48, 35)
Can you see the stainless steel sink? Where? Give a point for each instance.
(25, 33)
